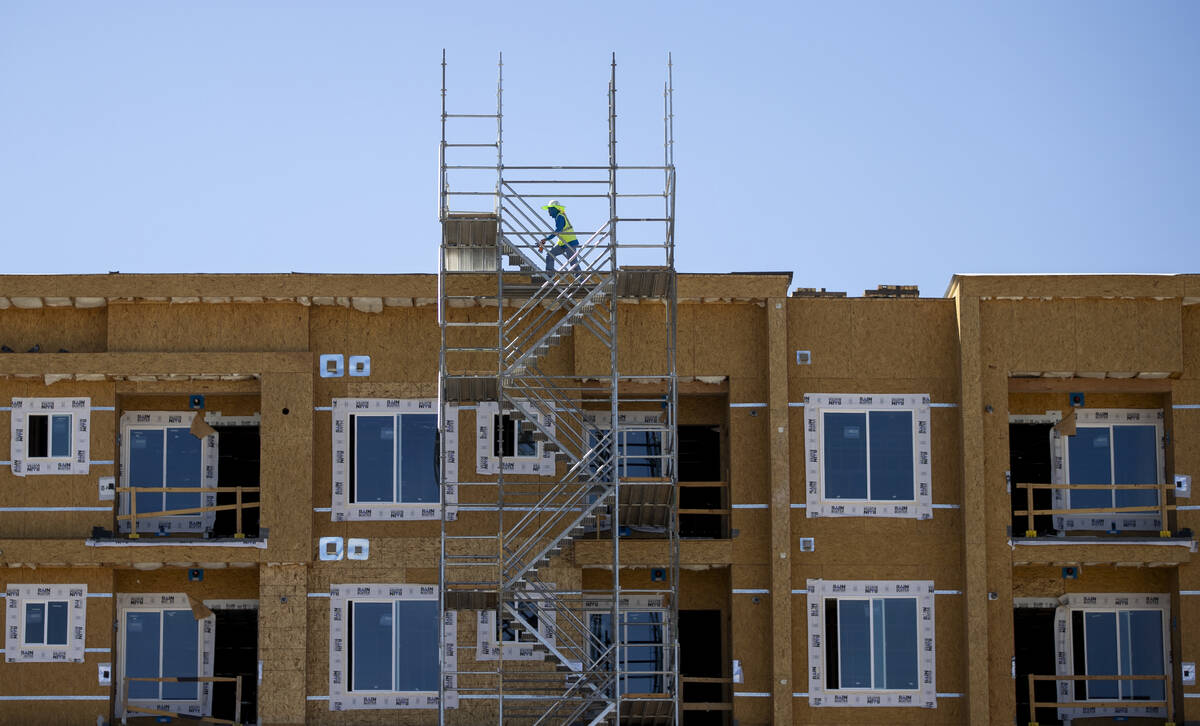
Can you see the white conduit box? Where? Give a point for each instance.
(330, 549)
(357, 548)
(360, 365)
(1183, 485)
(333, 365)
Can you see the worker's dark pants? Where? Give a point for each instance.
(566, 250)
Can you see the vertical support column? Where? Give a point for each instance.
(282, 643)
(781, 513)
(974, 509)
(286, 474)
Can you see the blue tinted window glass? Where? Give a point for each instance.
(146, 466)
(183, 468)
(372, 638)
(374, 447)
(60, 435)
(854, 643)
(642, 454)
(1089, 461)
(1100, 648)
(845, 455)
(1135, 461)
(35, 623)
(1146, 652)
(900, 636)
(417, 646)
(879, 639)
(601, 635)
(645, 653)
(891, 455)
(418, 458)
(56, 623)
(526, 445)
(142, 652)
(180, 653)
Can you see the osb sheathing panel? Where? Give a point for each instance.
(750, 628)
(1047, 581)
(732, 286)
(748, 455)
(51, 490)
(950, 666)
(207, 327)
(653, 553)
(243, 404)
(1072, 285)
(864, 339)
(403, 342)
(1040, 403)
(1085, 335)
(1190, 324)
(143, 363)
(220, 285)
(286, 464)
(62, 679)
(219, 583)
(77, 330)
(848, 544)
(703, 410)
(282, 618)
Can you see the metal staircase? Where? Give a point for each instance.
(509, 331)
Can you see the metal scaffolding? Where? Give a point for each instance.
(579, 449)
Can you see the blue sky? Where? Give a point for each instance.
(853, 143)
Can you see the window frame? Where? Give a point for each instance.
(486, 462)
(197, 522)
(1064, 643)
(489, 643)
(45, 627)
(17, 596)
(1100, 418)
(818, 503)
(600, 422)
(819, 643)
(77, 460)
(343, 509)
(397, 467)
(634, 604)
(205, 635)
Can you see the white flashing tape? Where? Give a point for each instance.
(99, 594)
(323, 408)
(258, 544)
(946, 506)
(947, 592)
(318, 698)
(1189, 592)
(751, 694)
(751, 506)
(318, 594)
(747, 405)
(751, 591)
(1186, 406)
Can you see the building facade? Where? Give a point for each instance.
(222, 500)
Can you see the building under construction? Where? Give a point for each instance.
(609, 493)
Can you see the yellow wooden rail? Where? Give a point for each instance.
(1162, 507)
(1035, 704)
(237, 709)
(238, 506)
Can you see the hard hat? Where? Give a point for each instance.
(552, 203)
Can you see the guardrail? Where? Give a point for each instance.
(1035, 704)
(237, 709)
(1161, 508)
(237, 506)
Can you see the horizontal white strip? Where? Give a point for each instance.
(1186, 405)
(750, 591)
(943, 405)
(1186, 507)
(94, 408)
(1189, 592)
(318, 698)
(1191, 695)
(949, 695)
(163, 542)
(55, 509)
(799, 695)
(99, 594)
(1123, 541)
(322, 509)
(792, 404)
(322, 408)
(751, 694)
(54, 698)
(747, 405)
(751, 506)
(799, 506)
(318, 594)
(799, 592)
(947, 592)
(97, 650)
(946, 506)
(96, 462)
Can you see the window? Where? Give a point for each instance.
(640, 453)
(871, 643)
(511, 441)
(395, 458)
(1110, 447)
(393, 646)
(867, 455)
(1113, 634)
(510, 636)
(385, 646)
(45, 623)
(50, 435)
(388, 462)
(643, 647)
(514, 438)
(160, 637)
(159, 452)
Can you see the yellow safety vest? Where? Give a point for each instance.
(566, 236)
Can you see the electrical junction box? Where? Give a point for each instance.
(1183, 485)
(1188, 674)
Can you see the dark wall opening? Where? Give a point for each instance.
(693, 524)
(235, 653)
(1029, 462)
(700, 453)
(700, 657)
(1033, 635)
(237, 465)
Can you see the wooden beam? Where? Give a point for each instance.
(1090, 385)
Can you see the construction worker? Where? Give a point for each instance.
(567, 244)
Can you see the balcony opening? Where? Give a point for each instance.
(1033, 631)
(235, 653)
(238, 466)
(700, 663)
(1029, 461)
